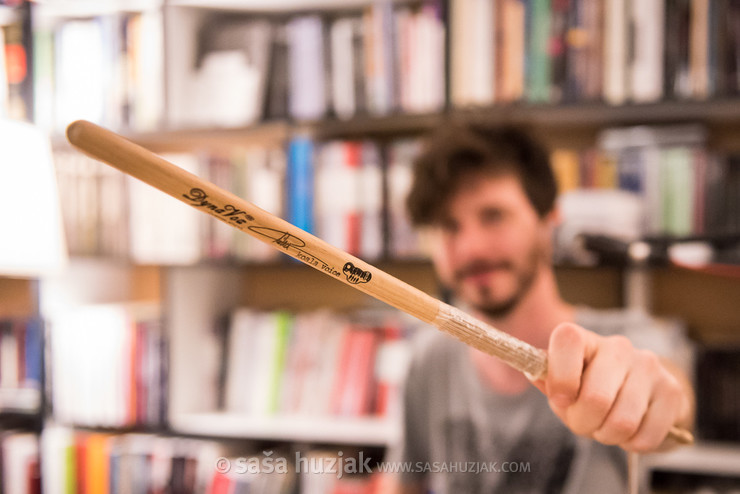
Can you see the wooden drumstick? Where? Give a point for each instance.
(138, 162)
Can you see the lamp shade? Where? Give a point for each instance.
(31, 235)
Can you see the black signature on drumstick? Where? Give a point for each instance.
(289, 241)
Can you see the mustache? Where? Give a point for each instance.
(478, 267)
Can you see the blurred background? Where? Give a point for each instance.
(140, 340)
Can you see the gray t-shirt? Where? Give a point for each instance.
(463, 437)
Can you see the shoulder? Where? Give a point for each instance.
(613, 321)
(662, 336)
(434, 357)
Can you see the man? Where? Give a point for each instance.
(473, 424)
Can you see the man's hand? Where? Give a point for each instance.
(604, 388)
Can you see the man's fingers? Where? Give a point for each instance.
(662, 413)
(602, 387)
(567, 352)
(603, 378)
(626, 415)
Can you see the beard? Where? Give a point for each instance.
(486, 300)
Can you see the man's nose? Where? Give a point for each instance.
(470, 243)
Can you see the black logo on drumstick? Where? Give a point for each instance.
(356, 275)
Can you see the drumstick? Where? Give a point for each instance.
(144, 165)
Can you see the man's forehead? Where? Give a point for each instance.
(485, 183)
(483, 192)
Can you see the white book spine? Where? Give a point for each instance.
(615, 52)
(342, 68)
(646, 75)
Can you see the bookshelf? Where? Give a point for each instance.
(194, 296)
(22, 404)
(66, 9)
(716, 463)
(19, 303)
(317, 430)
(267, 6)
(18, 297)
(7, 15)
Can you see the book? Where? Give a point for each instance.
(354, 387)
(92, 462)
(9, 354)
(313, 363)
(538, 52)
(95, 372)
(403, 238)
(79, 49)
(616, 41)
(258, 176)
(699, 70)
(174, 234)
(19, 462)
(511, 54)
(96, 473)
(381, 78)
(344, 59)
(577, 42)
(593, 82)
(278, 95)
(240, 356)
(727, 46)
(677, 44)
(646, 67)
(240, 100)
(16, 95)
(33, 352)
(300, 178)
(659, 164)
(3, 77)
(338, 192)
(391, 363)
(218, 235)
(419, 70)
(371, 199)
(566, 167)
(283, 328)
(677, 191)
(58, 466)
(307, 83)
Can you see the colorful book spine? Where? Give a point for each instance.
(300, 177)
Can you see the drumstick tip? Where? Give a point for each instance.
(76, 129)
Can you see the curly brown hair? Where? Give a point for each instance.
(456, 150)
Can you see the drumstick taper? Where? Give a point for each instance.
(134, 160)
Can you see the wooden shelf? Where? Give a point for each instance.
(577, 123)
(706, 302)
(370, 431)
(69, 9)
(584, 116)
(701, 458)
(20, 400)
(570, 124)
(264, 135)
(17, 297)
(275, 5)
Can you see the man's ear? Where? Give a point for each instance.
(553, 218)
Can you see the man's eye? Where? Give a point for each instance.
(448, 226)
(492, 216)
